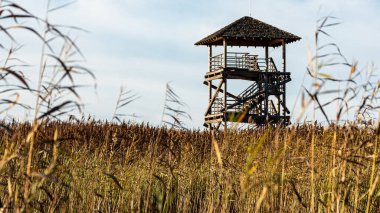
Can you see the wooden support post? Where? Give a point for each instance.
(210, 69)
(225, 84)
(266, 106)
(284, 70)
(210, 82)
(266, 59)
(224, 53)
(209, 99)
(210, 87)
(278, 104)
(225, 106)
(210, 58)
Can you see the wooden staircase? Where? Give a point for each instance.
(253, 103)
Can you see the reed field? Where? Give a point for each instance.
(56, 162)
(138, 168)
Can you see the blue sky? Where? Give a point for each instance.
(143, 44)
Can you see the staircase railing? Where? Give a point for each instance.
(249, 91)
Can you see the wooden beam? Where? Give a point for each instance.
(217, 126)
(247, 43)
(273, 106)
(210, 82)
(224, 53)
(285, 108)
(209, 99)
(225, 106)
(276, 42)
(266, 104)
(209, 58)
(214, 97)
(284, 70)
(278, 105)
(214, 77)
(266, 59)
(210, 87)
(221, 90)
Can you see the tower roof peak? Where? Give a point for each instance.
(248, 31)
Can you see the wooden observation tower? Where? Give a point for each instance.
(264, 101)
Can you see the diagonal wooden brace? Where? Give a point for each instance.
(214, 97)
(221, 90)
(273, 107)
(286, 108)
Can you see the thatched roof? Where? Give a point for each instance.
(248, 31)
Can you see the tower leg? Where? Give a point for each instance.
(209, 99)
(225, 105)
(210, 82)
(284, 70)
(266, 83)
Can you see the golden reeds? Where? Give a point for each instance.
(108, 167)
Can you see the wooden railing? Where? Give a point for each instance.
(242, 61)
(217, 106)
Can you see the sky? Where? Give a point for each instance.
(143, 44)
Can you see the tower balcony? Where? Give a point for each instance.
(242, 61)
(243, 66)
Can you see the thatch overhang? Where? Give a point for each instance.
(248, 31)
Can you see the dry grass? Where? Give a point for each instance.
(128, 167)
